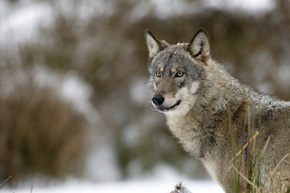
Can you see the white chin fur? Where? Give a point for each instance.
(187, 98)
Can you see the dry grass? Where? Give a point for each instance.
(250, 173)
(109, 54)
(273, 182)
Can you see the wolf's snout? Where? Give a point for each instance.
(158, 99)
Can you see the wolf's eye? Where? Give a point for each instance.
(179, 74)
(158, 74)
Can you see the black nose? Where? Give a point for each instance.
(158, 99)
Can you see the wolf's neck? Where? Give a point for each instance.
(221, 94)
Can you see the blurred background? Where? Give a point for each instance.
(73, 73)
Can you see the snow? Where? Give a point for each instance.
(162, 180)
(158, 187)
(70, 88)
(139, 93)
(101, 164)
(23, 23)
(248, 6)
(135, 186)
(174, 8)
(78, 92)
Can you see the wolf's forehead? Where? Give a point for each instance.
(172, 58)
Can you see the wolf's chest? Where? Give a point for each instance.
(187, 134)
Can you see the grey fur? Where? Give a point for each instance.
(207, 109)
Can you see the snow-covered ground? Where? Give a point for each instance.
(140, 186)
(22, 25)
(162, 180)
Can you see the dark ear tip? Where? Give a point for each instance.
(147, 31)
(202, 30)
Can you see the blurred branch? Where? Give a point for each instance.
(7, 179)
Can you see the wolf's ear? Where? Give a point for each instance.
(154, 44)
(199, 45)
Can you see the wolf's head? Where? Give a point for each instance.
(177, 71)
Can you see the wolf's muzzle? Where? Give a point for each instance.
(158, 99)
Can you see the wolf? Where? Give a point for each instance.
(214, 116)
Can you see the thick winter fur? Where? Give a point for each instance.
(210, 112)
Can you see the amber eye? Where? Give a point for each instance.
(158, 74)
(179, 74)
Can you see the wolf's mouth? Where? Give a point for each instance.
(164, 109)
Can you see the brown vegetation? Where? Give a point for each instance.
(40, 133)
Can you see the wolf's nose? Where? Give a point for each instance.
(158, 99)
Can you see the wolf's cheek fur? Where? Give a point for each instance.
(187, 97)
(205, 107)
